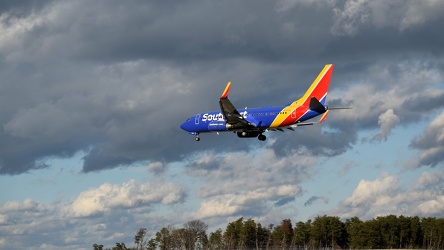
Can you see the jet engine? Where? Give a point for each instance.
(248, 134)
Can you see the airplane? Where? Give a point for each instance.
(253, 122)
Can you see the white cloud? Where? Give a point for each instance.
(371, 192)
(267, 169)
(234, 203)
(128, 206)
(126, 195)
(156, 167)
(387, 121)
(26, 205)
(386, 195)
(248, 183)
(430, 179)
(405, 87)
(3, 219)
(435, 206)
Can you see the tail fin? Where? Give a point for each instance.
(318, 88)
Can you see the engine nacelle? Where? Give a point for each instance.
(248, 134)
(218, 126)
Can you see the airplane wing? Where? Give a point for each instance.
(230, 113)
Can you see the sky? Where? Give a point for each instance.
(92, 94)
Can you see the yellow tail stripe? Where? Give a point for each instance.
(313, 86)
(281, 117)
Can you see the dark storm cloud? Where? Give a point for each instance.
(115, 79)
(194, 30)
(21, 8)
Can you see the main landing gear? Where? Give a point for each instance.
(261, 137)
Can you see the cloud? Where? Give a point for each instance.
(126, 195)
(386, 195)
(373, 191)
(124, 60)
(430, 144)
(430, 180)
(349, 19)
(250, 203)
(113, 80)
(315, 198)
(248, 183)
(387, 121)
(418, 13)
(227, 173)
(156, 167)
(106, 214)
(354, 16)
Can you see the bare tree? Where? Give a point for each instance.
(197, 235)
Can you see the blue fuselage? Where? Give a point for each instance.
(262, 118)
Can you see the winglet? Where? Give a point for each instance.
(226, 91)
(323, 117)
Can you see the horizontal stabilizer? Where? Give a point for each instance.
(304, 124)
(337, 108)
(323, 117)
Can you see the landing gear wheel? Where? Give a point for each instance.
(197, 137)
(262, 137)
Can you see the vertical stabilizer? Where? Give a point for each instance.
(318, 88)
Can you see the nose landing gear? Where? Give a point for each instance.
(197, 137)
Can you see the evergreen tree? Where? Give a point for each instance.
(262, 236)
(356, 233)
(232, 234)
(323, 232)
(302, 234)
(163, 239)
(216, 240)
(249, 234)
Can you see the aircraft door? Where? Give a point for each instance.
(196, 121)
(293, 114)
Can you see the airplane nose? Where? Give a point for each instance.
(183, 126)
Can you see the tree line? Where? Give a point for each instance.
(322, 232)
